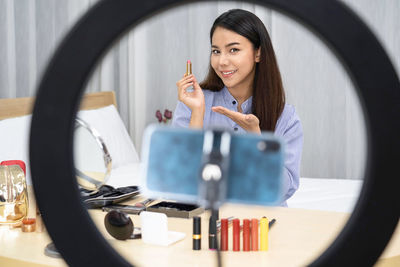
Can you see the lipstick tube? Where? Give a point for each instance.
(230, 219)
(246, 235)
(188, 72)
(224, 234)
(212, 233)
(264, 227)
(196, 233)
(254, 235)
(236, 235)
(188, 67)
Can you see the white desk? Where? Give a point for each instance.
(297, 237)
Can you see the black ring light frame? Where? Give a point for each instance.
(376, 214)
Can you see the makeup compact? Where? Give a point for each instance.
(175, 209)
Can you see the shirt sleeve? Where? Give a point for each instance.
(292, 134)
(181, 117)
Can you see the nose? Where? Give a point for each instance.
(223, 59)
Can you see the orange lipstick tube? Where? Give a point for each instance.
(254, 235)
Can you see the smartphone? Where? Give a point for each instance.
(173, 160)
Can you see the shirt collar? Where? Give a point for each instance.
(229, 99)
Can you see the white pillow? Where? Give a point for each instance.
(14, 141)
(14, 137)
(112, 129)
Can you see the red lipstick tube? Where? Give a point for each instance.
(246, 235)
(236, 235)
(224, 234)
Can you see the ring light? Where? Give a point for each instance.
(376, 213)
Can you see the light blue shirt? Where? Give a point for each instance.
(288, 128)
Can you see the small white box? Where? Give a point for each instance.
(154, 227)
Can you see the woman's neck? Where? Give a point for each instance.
(241, 94)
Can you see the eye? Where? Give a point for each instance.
(215, 51)
(234, 50)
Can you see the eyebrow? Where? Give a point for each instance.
(230, 44)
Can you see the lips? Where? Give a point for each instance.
(227, 74)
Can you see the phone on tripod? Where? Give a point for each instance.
(173, 161)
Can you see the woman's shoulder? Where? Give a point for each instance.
(289, 111)
(288, 120)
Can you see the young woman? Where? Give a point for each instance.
(243, 90)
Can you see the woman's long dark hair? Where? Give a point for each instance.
(268, 93)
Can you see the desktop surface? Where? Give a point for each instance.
(297, 238)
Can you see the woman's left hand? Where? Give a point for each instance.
(248, 122)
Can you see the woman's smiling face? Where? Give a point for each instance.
(233, 58)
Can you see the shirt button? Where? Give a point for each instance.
(234, 102)
(235, 128)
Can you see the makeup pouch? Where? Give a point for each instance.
(13, 192)
(107, 195)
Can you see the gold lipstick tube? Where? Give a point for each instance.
(188, 68)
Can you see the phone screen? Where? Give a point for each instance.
(172, 160)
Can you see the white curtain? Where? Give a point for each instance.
(143, 67)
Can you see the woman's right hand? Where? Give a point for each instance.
(193, 100)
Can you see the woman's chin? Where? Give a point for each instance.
(228, 83)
